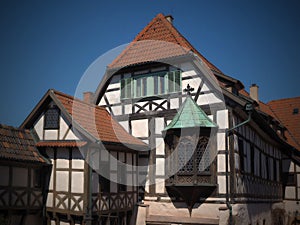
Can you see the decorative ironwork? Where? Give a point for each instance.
(188, 89)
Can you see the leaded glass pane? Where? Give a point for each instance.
(203, 155)
(52, 119)
(185, 158)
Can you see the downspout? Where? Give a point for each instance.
(248, 108)
(89, 214)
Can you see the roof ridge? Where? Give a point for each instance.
(288, 98)
(77, 99)
(179, 39)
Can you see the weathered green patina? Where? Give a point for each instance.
(190, 115)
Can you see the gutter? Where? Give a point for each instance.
(248, 108)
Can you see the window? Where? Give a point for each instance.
(52, 118)
(295, 111)
(122, 177)
(193, 161)
(202, 156)
(104, 177)
(241, 154)
(185, 157)
(37, 178)
(252, 158)
(151, 84)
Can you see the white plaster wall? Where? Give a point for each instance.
(77, 160)
(117, 110)
(125, 125)
(49, 202)
(63, 128)
(188, 73)
(208, 99)
(160, 166)
(222, 184)
(221, 163)
(78, 164)
(222, 118)
(62, 180)
(221, 141)
(39, 127)
(71, 136)
(160, 186)
(113, 97)
(62, 160)
(4, 171)
(102, 102)
(128, 109)
(139, 128)
(77, 182)
(51, 135)
(51, 180)
(20, 176)
(205, 88)
(159, 125)
(290, 192)
(193, 82)
(62, 163)
(160, 146)
(174, 103)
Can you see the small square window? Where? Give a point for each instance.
(295, 111)
(52, 118)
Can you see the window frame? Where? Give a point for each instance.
(47, 126)
(151, 84)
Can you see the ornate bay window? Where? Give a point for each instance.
(190, 154)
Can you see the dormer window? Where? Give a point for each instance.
(152, 84)
(52, 118)
(295, 111)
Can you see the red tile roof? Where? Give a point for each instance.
(18, 145)
(261, 105)
(96, 121)
(284, 111)
(61, 144)
(158, 40)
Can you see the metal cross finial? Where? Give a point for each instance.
(188, 89)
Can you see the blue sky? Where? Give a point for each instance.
(50, 44)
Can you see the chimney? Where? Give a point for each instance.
(88, 96)
(170, 18)
(254, 92)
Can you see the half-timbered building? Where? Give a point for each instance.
(216, 152)
(94, 161)
(22, 183)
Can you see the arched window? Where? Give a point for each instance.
(202, 155)
(185, 157)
